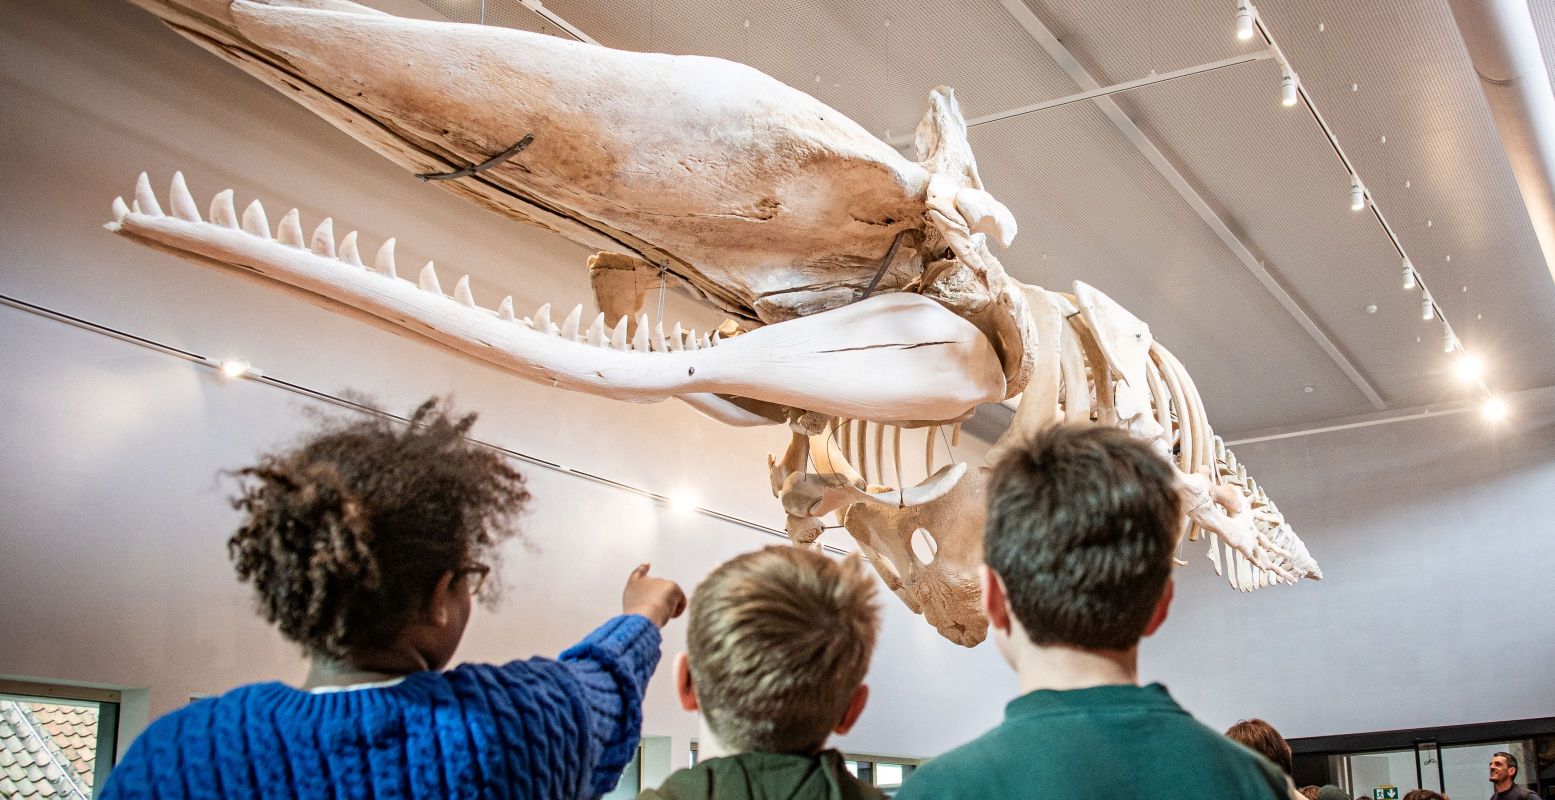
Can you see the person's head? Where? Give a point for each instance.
(1309, 792)
(1503, 768)
(1332, 792)
(778, 643)
(370, 536)
(1082, 523)
(1420, 794)
(1262, 738)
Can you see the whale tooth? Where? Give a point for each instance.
(427, 280)
(290, 230)
(659, 345)
(462, 292)
(254, 221)
(618, 336)
(570, 324)
(323, 242)
(597, 331)
(145, 199)
(222, 211)
(181, 201)
(505, 309)
(120, 210)
(542, 319)
(708, 339)
(348, 252)
(640, 339)
(676, 340)
(384, 261)
(714, 339)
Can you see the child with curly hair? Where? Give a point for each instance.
(365, 545)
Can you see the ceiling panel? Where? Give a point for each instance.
(1282, 188)
(1122, 40)
(1544, 23)
(1398, 69)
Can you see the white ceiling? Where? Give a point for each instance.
(1092, 208)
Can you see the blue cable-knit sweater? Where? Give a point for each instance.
(538, 729)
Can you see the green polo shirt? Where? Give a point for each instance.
(1114, 742)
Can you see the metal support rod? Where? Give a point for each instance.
(1045, 105)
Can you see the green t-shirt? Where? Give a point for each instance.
(1115, 742)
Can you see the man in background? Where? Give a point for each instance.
(1503, 777)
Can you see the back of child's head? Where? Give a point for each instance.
(1082, 522)
(346, 535)
(779, 641)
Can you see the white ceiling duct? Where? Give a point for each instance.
(1504, 46)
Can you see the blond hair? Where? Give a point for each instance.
(779, 641)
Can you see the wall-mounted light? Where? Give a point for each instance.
(682, 501)
(1493, 409)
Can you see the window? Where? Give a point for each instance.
(885, 773)
(631, 778)
(55, 741)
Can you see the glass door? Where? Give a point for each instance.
(1466, 767)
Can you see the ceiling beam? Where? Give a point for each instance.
(1082, 77)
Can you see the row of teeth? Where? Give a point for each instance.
(647, 339)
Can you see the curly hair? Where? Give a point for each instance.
(345, 535)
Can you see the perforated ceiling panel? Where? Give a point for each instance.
(1544, 22)
(1399, 70)
(1091, 207)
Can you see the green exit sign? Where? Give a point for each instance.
(1385, 793)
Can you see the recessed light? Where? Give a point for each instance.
(1307, 389)
(1371, 309)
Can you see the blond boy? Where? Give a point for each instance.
(779, 641)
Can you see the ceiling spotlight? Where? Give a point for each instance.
(1410, 281)
(1469, 368)
(1494, 409)
(1245, 15)
(1357, 193)
(1449, 342)
(1288, 93)
(1427, 307)
(236, 368)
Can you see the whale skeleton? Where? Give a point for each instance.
(861, 292)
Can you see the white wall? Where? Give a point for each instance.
(1437, 606)
(112, 518)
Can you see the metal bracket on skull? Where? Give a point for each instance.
(476, 169)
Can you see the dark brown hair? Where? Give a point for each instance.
(1082, 522)
(1262, 738)
(1423, 794)
(779, 640)
(345, 535)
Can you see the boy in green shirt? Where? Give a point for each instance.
(1082, 524)
(778, 643)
